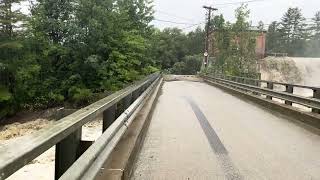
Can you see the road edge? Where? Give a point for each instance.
(310, 119)
(124, 155)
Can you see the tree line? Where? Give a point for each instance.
(294, 34)
(234, 45)
(71, 52)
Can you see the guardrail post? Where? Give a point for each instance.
(135, 95)
(124, 104)
(270, 86)
(237, 79)
(67, 152)
(256, 83)
(316, 94)
(244, 81)
(259, 83)
(289, 89)
(109, 116)
(127, 101)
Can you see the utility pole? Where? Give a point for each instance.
(206, 53)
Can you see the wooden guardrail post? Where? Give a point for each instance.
(109, 116)
(316, 94)
(67, 152)
(270, 86)
(289, 89)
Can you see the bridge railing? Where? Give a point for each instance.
(267, 88)
(83, 158)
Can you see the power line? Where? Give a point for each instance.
(192, 26)
(240, 2)
(174, 22)
(173, 15)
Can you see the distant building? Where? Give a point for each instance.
(260, 44)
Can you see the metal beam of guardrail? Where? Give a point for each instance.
(263, 81)
(65, 132)
(287, 96)
(91, 162)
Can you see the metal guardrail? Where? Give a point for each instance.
(250, 80)
(254, 86)
(84, 158)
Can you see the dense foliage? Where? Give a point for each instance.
(235, 44)
(172, 46)
(295, 35)
(70, 52)
(73, 51)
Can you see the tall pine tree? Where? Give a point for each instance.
(273, 42)
(314, 42)
(316, 26)
(9, 18)
(293, 32)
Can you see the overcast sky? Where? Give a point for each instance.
(191, 11)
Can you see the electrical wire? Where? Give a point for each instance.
(174, 22)
(173, 15)
(192, 26)
(240, 2)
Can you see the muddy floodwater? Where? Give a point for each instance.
(303, 71)
(41, 168)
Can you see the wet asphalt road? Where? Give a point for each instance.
(200, 132)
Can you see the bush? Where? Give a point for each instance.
(80, 96)
(56, 98)
(190, 65)
(5, 102)
(179, 68)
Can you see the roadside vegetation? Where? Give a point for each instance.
(234, 48)
(72, 52)
(294, 34)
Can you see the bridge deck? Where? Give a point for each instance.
(200, 132)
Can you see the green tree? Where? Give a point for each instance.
(11, 52)
(52, 18)
(195, 41)
(273, 42)
(244, 44)
(74, 50)
(9, 18)
(235, 45)
(313, 44)
(293, 32)
(316, 26)
(189, 66)
(169, 47)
